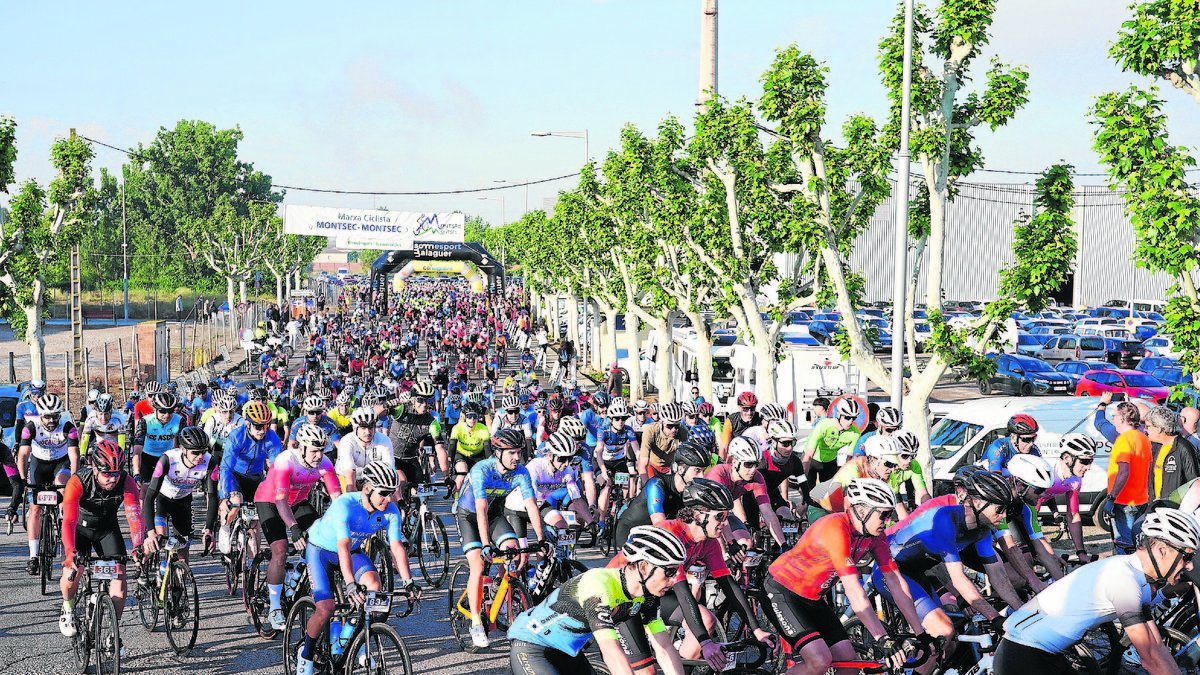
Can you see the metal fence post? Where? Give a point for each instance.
(121, 356)
(12, 368)
(87, 369)
(67, 378)
(106, 386)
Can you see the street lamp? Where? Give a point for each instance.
(503, 215)
(501, 180)
(568, 134)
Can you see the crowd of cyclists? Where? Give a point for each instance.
(724, 527)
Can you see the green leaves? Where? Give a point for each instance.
(8, 151)
(1044, 245)
(1162, 38)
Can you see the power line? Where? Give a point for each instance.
(381, 193)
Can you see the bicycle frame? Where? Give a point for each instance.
(509, 561)
(172, 548)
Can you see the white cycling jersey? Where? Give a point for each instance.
(1057, 618)
(48, 445)
(110, 430)
(179, 480)
(354, 455)
(218, 430)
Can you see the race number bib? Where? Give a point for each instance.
(790, 527)
(104, 570)
(378, 602)
(426, 490)
(697, 574)
(47, 498)
(566, 537)
(621, 479)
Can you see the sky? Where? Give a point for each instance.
(439, 95)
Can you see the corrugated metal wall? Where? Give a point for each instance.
(979, 224)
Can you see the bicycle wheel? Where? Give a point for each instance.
(1103, 643)
(107, 637)
(460, 622)
(517, 602)
(258, 604)
(146, 595)
(293, 635)
(182, 609)
(48, 546)
(433, 550)
(233, 571)
(1129, 662)
(381, 558)
(81, 644)
(381, 651)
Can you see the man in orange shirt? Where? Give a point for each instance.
(1128, 475)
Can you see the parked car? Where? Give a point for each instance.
(1073, 347)
(1171, 375)
(1076, 369)
(1049, 329)
(1132, 383)
(823, 331)
(1024, 376)
(1123, 353)
(1149, 363)
(1028, 344)
(1160, 345)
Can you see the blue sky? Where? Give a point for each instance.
(436, 95)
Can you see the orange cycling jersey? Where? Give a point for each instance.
(829, 548)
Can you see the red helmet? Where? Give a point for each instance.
(706, 409)
(747, 398)
(1022, 425)
(106, 456)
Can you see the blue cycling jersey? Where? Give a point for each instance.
(938, 535)
(656, 495)
(347, 518)
(325, 423)
(996, 457)
(247, 457)
(486, 482)
(859, 450)
(593, 421)
(158, 437)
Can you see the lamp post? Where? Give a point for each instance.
(900, 252)
(502, 180)
(568, 134)
(503, 215)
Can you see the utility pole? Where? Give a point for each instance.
(124, 246)
(708, 51)
(900, 252)
(76, 305)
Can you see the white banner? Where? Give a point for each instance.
(362, 228)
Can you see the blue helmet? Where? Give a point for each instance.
(703, 435)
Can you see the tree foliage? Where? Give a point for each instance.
(1162, 40)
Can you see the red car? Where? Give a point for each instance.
(1132, 383)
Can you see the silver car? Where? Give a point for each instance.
(1074, 348)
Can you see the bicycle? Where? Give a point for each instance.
(97, 631)
(427, 539)
(49, 497)
(362, 648)
(234, 562)
(504, 596)
(560, 565)
(616, 505)
(176, 596)
(256, 598)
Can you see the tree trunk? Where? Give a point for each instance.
(34, 332)
(573, 327)
(634, 342)
(278, 288)
(916, 420)
(610, 333)
(232, 325)
(764, 372)
(287, 285)
(242, 288)
(597, 360)
(662, 361)
(704, 362)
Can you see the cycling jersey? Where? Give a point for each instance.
(1069, 485)
(176, 480)
(828, 438)
(470, 441)
(410, 430)
(735, 425)
(828, 495)
(545, 481)
(485, 481)
(591, 604)
(592, 421)
(724, 474)
(1056, 619)
(829, 548)
(353, 455)
(290, 479)
(88, 508)
(657, 449)
(999, 452)
(218, 431)
(347, 518)
(775, 471)
(49, 445)
(342, 421)
(937, 535)
(157, 437)
(246, 457)
(707, 553)
(912, 472)
(616, 442)
(112, 430)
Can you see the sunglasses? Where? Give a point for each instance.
(747, 465)
(260, 427)
(786, 444)
(111, 474)
(620, 418)
(1086, 462)
(891, 465)
(670, 572)
(196, 453)
(1185, 557)
(906, 458)
(886, 515)
(849, 417)
(747, 408)
(386, 494)
(888, 430)
(719, 516)
(471, 416)
(1027, 439)
(670, 425)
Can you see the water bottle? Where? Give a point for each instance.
(291, 581)
(1189, 656)
(335, 632)
(344, 634)
(162, 570)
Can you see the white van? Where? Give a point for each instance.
(964, 432)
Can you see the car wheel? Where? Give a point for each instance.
(985, 387)
(1085, 392)
(1101, 519)
(1027, 389)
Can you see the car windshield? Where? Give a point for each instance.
(8, 412)
(948, 437)
(1032, 365)
(1141, 380)
(1091, 343)
(722, 369)
(1027, 339)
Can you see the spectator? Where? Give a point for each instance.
(1128, 475)
(543, 346)
(1175, 461)
(1100, 420)
(178, 307)
(614, 384)
(1188, 418)
(820, 409)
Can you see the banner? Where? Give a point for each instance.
(363, 228)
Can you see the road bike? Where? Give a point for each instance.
(357, 639)
(427, 539)
(606, 537)
(257, 598)
(97, 633)
(167, 585)
(48, 497)
(242, 539)
(560, 565)
(505, 595)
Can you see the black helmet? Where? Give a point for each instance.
(258, 394)
(980, 483)
(692, 454)
(194, 438)
(601, 399)
(164, 401)
(707, 494)
(507, 439)
(473, 409)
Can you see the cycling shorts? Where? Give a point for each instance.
(324, 570)
(525, 658)
(413, 470)
(247, 486)
(178, 511)
(922, 586)
(147, 470)
(625, 464)
(468, 530)
(800, 620)
(1013, 657)
(469, 460)
(271, 522)
(44, 472)
(519, 520)
(105, 542)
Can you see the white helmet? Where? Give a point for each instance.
(908, 441)
(1078, 445)
(313, 436)
(1175, 527)
(617, 408)
(560, 444)
(881, 447)
(772, 411)
(870, 492)
(381, 474)
(49, 404)
(92, 394)
(363, 417)
(1032, 470)
(779, 430)
(654, 545)
(314, 402)
(847, 407)
(639, 406)
(888, 417)
(742, 449)
(671, 413)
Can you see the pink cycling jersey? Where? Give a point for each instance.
(1069, 486)
(288, 476)
(723, 474)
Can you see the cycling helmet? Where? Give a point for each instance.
(989, 486)
(688, 409)
(908, 441)
(780, 430)
(561, 445)
(510, 402)
(555, 404)
(1078, 445)
(403, 397)
(92, 395)
(363, 417)
(257, 412)
(226, 404)
(742, 449)
(454, 399)
(381, 474)
(539, 406)
(37, 385)
(690, 453)
(371, 400)
(888, 417)
(703, 436)
(574, 427)
(655, 546)
(847, 407)
(640, 406)
(49, 405)
(747, 398)
(164, 401)
(344, 398)
(422, 389)
(194, 438)
(258, 394)
(472, 409)
(104, 403)
(152, 387)
(507, 439)
(312, 403)
(311, 435)
(881, 447)
(617, 408)
(772, 411)
(106, 456)
(870, 492)
(1022, 425)
(707, 494)
(1173, 526)
(705, 409)
(1032, 470)
(601, 399)
(670, 413)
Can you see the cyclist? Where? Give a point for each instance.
(155, 434)
(480, 514)
(556, 488)
(659, 441)
(335, 542)
(829, 437)
(617, 606)
(882, 459)
(910, 474)
(468, 444)
(1030, 476)
(361, 447)
(169, 492)
(833, 549)
(314, 414)
(708, 417)
(706, 506)
(735, 424)
(888, 421)
(594, 418)
(341, 411)
(1021, 438)
(779, 467)
(663, 495)
(284, 509)
(103, 422)
(741, 476)
(512, 418)
(1077, 455)
(90, 523)
(641, 416)
(548, 423)
(27, 409)
(48, 453)
(413, 431)
(249, 450)
(616, 452)
(1038, 636)
(705, 438)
